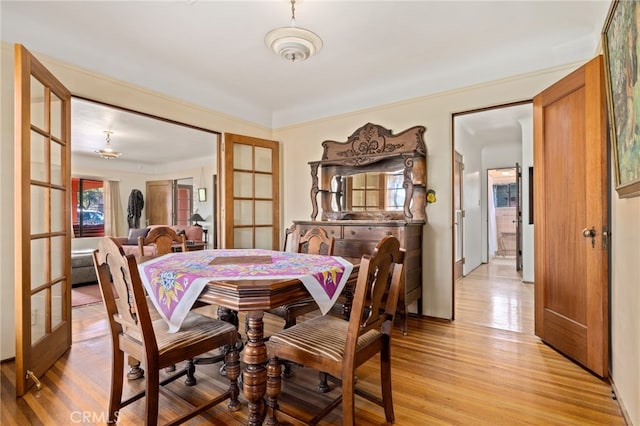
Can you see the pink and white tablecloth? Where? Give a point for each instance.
(174, 281)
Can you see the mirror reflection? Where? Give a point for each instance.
(370, 191)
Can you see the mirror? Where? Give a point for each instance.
(371, 191)
(375, 175)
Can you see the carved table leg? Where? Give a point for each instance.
(254, 376)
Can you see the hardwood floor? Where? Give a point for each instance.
(443, 374)
(493, 295)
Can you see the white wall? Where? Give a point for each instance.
(527, 230)
(625, 302)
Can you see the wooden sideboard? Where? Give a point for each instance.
(371, 186)
(355, 237)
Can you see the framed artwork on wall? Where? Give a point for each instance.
(622, 71)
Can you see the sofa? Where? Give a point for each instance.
(82, 270)
(130, 243)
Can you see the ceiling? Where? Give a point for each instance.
(212, 53)
(496, 126)
(148, 144)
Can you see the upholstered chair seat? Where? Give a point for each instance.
(322, 337)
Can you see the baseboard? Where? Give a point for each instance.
(614, 392)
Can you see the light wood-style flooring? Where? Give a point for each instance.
(494, 295)
(444, 373)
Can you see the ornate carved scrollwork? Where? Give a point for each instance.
(314, 190)
(371, 142)
(371, 149)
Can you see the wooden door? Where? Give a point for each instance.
(518, 217)
(570, 195)
(458, 219)
(42, 219)
(250, 192)
(159, 203)
(183, 204)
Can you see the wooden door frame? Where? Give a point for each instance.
(452, 210)
(456, 154)
(519, 236)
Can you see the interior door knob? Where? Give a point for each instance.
(589, 233)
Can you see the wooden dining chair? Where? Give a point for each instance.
(133, 331)
(338, 346)
(164, 239)
(314, 241)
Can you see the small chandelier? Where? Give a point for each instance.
(108, 153)
(293, 43)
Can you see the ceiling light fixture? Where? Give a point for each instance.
(108, 153)
(293, 43)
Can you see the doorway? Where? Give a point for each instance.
(502, 214)
(153, 148)
(495, 289)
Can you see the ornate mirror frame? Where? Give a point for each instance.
(373, 148)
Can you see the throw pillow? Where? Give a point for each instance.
(135, 233)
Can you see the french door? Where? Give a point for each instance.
(42, 219)
(250, 192)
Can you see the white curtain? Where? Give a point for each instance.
(492, 228)
(113, 217)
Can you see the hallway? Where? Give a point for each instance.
(493, 295)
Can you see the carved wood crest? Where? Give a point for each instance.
(370, 142)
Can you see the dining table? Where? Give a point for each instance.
(245, 280)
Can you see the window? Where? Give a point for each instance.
(87, 207)
(505, 195)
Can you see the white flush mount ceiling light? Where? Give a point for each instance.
(293, 43)
(108, 153)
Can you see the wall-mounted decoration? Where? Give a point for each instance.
(620, 41)
(202, 194)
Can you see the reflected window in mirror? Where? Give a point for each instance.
(395, 191)
(372, 191)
